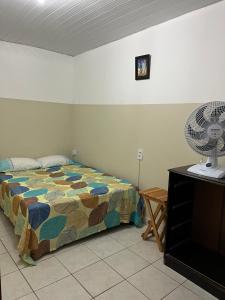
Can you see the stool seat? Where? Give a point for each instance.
(155, 194)
(159, 196)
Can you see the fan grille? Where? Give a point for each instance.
(205, 129)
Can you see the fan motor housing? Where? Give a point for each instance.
(215, 131)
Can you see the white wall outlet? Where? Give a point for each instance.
(74, 152)
(140, 154)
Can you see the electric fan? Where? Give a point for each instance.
(205, 134)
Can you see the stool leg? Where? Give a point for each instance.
(149, 229)
(159, 243)
(162, 234)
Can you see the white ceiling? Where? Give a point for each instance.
(75, 26)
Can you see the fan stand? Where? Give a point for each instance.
(212, 161)
(210, 168)
(201, 169)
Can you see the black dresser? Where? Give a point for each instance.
(195, 234)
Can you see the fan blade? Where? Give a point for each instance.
(200, 120)
(222, 123)
(223, 138)
(222, 149)
(217, 112)
(197, 135)
(209, 146)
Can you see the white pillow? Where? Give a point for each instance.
(24, 163)
(53, 160)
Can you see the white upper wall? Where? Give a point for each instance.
(188, 63)
(34, 74)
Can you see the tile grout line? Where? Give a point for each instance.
(106, 289)
(55, 280)
(7, 252)
(137, 289)
(107, 255)
(26, 281)
(24, 296)
(80, 268)
(82, 286)
(130, 275)
(70, 273)
(194, 291)
(168, 275)
(179, 284)
(18, 270)
(100, 259)
(124, 279)
(171, 292)
(50, 284)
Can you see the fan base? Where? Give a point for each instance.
(201, 169)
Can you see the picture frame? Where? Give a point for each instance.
(142, 67)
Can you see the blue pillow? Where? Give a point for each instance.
(5, 165)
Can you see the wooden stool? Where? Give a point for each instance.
(160, 197)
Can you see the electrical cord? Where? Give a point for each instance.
(139, 174)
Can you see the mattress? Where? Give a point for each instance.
(58, 205)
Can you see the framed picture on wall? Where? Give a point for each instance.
(142, 67)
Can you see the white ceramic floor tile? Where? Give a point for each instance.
(5, 225)
(5, 229)
(126, 236)
(14, 286)
(140, 230)
(104, 246)
(10, 241)
(127, 263)
(29, 297)
(7, 265)
(17, 259)
(77, 258)
(67, 288)
(122, 291)
(97, 278)
(148, 250)
(169, 272)
(3, 218)
(66, 248)
(2, 248)
(198, 291)
(45, 273)
(182, 293)
(153, 283)
(46, 256)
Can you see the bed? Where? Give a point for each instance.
(58, 205)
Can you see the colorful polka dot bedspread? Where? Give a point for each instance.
(58, 205)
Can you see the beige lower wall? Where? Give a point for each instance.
(108, 137)
(29, 128)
